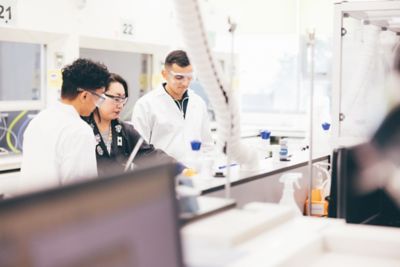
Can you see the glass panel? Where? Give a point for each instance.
(366, 62)
(20, 71)
(133, 67)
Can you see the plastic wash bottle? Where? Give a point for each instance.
(194, 161)
(265, 144)
(289, 179)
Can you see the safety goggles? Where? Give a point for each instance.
(117, 99)
(180, 77)
(100, 98)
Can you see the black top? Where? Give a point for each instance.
(124, 139)
(182, 103)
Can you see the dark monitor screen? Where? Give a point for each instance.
(374, 207)
(348, 203)
(126, 220)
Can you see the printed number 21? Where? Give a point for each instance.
(4, 11)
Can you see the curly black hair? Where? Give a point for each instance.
(85, 74)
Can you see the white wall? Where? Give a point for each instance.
(99, 18)
(66, 25)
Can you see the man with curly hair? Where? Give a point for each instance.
(59, 147)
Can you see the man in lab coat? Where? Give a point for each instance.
(59, 147)
(172, 115)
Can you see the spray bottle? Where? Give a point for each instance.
(287, 199)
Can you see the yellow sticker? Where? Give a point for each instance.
(188, 172)
(54, 79)
(157, 79)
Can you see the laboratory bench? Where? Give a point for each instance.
(10, 165)
(264, 234)
(261, 185)
(10, 162)
(246, 186)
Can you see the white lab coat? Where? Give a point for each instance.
(58, 148)
(157, 118)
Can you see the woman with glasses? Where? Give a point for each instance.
(116, 139)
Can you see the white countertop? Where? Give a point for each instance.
(208, 206)
(267, 167)
(268, 235)
(10, 162)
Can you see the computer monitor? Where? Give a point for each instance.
(347, 201)
(126, 220)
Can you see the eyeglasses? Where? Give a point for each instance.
(117, 99)
(180, 77)
(100, 100)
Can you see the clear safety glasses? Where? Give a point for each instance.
(117, 99)
(181, 77)
(100, 98)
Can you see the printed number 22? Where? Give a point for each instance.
(128, 29)
(3, 12)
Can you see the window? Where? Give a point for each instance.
(268, 72)
(274, 74)
(21, 74)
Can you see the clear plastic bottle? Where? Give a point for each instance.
(326, 140)
(265, 144)
(324, 145)
(283, 150)
(195, 157)
(287, 199)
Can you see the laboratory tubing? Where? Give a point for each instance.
(221, 95)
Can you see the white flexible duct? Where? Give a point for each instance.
(222, 100)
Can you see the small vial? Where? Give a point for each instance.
(283, 151)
